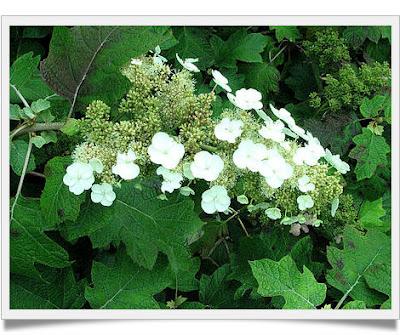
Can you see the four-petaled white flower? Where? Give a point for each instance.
(249, 155)
(228, 130)
(304, 202)
(206, 166)
(103, 193)
(336, 162)
(125, 166)
(172, 180)
(305, 185)
(220, 80)
(136, 61)
(79, 177)
(188, 63)
(164, 150)
(157, 58)
(275, 169)
(310, 153)
(246, 99)
(273, 130)
(215, 199)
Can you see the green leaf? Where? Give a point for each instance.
(39, 106)
(291, 33)
(18, 150)
(378, 277)
(193, 42)
(282, 278)
(25, 76)
(261, 76)
(370, 108)
(274, 245)
(125, 285)
(36, 32)
(241, 45)
(59, 290)
(301, 81)
(28, 243)
(57, 202)
(355, 305)
(370, 152)
(215, 290)
(355, 36)
(370, 215)
(15, 112)
(359, 256)
(85, 61)
(144, 223)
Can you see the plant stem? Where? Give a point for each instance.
(21, 179)
(37, 127)
(278, 53)
(243, 227)
(20, 96)
(18, 130)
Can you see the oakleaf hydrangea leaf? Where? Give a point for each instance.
(144, 223)
(370, 152)
(360, 255)
(371, 213)
(57, 202)
(25, 76)
(125, 285)
(241, 45)
(85, 61)
(29, 244)
(282, 278)
(59, 290)
(291, 33)
(18, 149)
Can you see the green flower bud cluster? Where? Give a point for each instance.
(350, 85)
(158, 100)
(346, 214)
(327, 49)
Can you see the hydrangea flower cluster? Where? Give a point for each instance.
(168, 130)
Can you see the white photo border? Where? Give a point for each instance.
(201, 20)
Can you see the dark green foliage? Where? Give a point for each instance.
(67, 252)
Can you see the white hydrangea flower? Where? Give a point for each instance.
(336, 162)
(172, 180)
(206, 166)
(157, 58)
(188, 63)
(164, 150)
(220, 80)
(246, 99)
(305, 185)
(125, 166)
(228, 130)
(273, 130)
(283, 115)
(310, 153)
(304, 202)
(249, 155)
(275, 169)
(79, 177)
(103, 194)
(136, 61)
(215, 199)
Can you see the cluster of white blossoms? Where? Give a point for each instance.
(278, 151)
